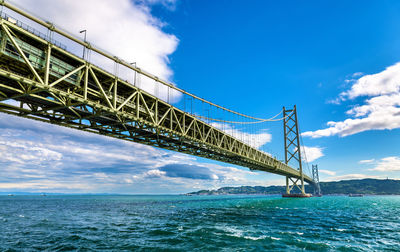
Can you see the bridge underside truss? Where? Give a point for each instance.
(85, 97)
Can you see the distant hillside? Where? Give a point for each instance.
(363, 186)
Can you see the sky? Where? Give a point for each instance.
(337, 61)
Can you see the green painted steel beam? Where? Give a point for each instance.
(114, 108)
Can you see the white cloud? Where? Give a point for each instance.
(357, 74)
(312, 153)
(46, 185)
(330, 173)
(389, 164)
(380, 111)
(367, 161)
(335, 101)
(383, 83)
(27, 153)
(352, 176)
(169, 4)
(43, 157)
(155, 173)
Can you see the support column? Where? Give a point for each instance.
(47, 68)
(287, 186)
(315, 176)
(292, 152)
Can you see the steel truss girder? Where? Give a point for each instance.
(119, 110)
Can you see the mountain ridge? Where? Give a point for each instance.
(355, 186)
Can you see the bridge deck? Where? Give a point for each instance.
(48, 83)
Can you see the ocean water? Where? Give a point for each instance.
(199, 223)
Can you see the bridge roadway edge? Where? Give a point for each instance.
(161, 136)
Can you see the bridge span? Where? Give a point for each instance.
(42, 80)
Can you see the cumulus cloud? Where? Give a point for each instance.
(312, 153)
(387, 164)
(381, 108)
(383, 83)
(44, 157)
(155, 173)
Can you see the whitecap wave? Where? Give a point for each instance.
(236, 232)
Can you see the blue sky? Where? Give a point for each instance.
(336, 60)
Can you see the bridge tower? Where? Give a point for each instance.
(292, 152)
(315, 176)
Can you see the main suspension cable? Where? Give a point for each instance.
(93, 48)
(272, 119)
(305, 155)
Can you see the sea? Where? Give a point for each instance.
(198, 223)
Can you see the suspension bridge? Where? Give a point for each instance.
(41, 79)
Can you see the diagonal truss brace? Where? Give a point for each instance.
(21, 53)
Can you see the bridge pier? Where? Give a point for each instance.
(291, 183)
(293, 153)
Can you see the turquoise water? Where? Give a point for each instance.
(199, 223)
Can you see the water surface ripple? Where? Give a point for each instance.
(199, 223)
